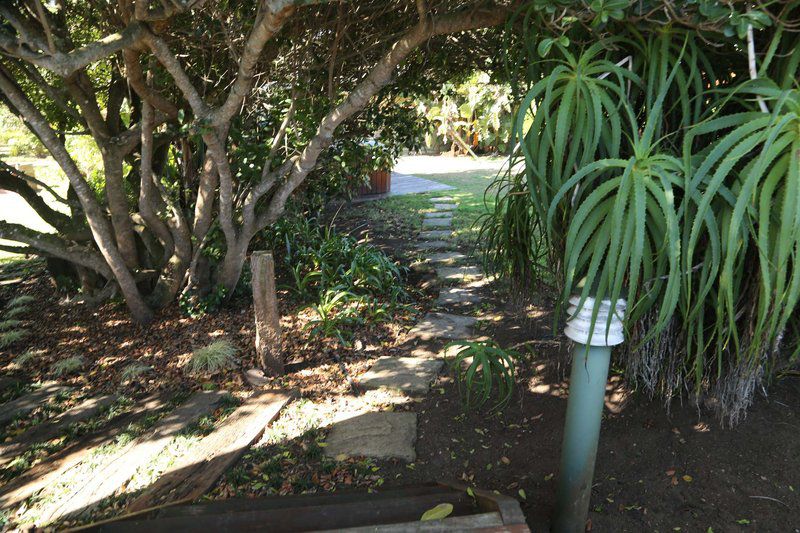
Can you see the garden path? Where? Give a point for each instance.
(393, 434)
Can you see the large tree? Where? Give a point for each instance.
(170, 91)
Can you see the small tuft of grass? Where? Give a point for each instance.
(10, 337)
(133, 371)
(217, 356)
(21, 360)
(67, 366)
(25, 299)
(15, 311)
(9, 324)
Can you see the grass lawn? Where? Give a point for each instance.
(469, 193)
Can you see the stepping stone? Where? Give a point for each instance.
(459, 273)
(442, 199)
(446, 257)
(27, 403)
(443, 326)
(457, 295)
(377, 435)
(445, 207)
(435, 235)
(437, 223)
(439, 214)
(410, 375)
(432, 245)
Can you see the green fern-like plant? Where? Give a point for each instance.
(24, 299)
(10, 324)
(22, 360)
(483, 368)
(133, 371)
(67, 366)
(8, 338)
(15, 311)
(217, 356)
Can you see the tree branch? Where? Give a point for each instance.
(378, 77)
(51, 245)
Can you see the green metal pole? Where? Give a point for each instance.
(590, 364)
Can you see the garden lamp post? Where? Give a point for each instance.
(590, 364)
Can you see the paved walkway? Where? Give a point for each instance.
(408, 184)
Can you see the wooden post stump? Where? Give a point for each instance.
(265, 303)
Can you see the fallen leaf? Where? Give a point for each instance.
(443, 510)
(522, 494)
(670, 472)
(505, 460)
(687, 478)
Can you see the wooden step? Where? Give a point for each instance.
(119, 466)
(386, 510)
(195, 473)
(27, 403)
(364, 511)
(54, 428)
(53, 467)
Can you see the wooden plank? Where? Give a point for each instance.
(6, 382)
(122, 464)
(196, 472)
(475, 522)
(25, 404)
(54, 428)
(302, 518)
(507, 506)
(52, 468)
(234, 505)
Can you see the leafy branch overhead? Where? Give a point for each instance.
(174, 93)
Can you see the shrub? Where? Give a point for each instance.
(217, 356)
(337, 309)
(321, 259)
(10, 337)
(133, 371)
(21, 360)
(24, 299)
(480, 369)
(67, 366)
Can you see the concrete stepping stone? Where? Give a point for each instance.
(439, 214)
(435, 235)
(411, 375)
(443, 199)
(459, 273)
(456, 296)
(446, 257)
(433, 245)
(378, 435)
(445, 207)
(437, 222)
(442, 326)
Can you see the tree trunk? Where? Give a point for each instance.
(265, 304)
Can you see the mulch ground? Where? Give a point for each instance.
(657, 470)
